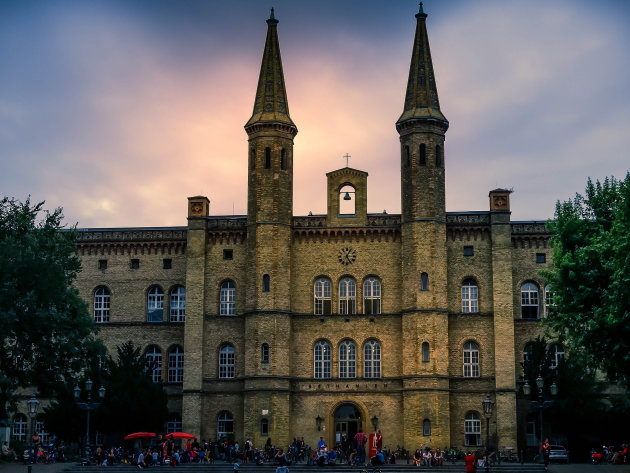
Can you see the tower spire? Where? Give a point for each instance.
(421, 99)
(270, 104)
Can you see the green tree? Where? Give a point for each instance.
(133, 402)
(45, 328)
(590, 277)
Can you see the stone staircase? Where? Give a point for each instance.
(223, 467)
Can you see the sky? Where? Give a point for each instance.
(118, 111)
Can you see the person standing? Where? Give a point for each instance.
(471, 463)
(545, 449)
(360, 439)
(379, 440)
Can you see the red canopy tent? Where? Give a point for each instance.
(180, 435)
(139, 435)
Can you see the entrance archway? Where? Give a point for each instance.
(347, 419)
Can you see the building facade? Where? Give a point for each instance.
(276, 325)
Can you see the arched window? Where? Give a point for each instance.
(548, 300)
(425, 352)
(252, 154)
(155, 304)
(347, 359)
(153, 362)
(264, 353)
(19, 427)
(556, 351)
(426, 427)
(323, 301)
(407, 157)
(40, 428)
(228, 298)
(176, 365)
(424, 282)
(528, 351)
(372, 359)
(469, 296)
(423, 154)
(225, 425)
(371, 296)
(471, 360)
(267, 158)
(347, 200)
(438, 156)
(174, 424)
(177, 304)
(266, 282)
(264, 427)
(101, 305)
(347, 296)
(322, 359)
(529, 300)
(283, 159)
(472, 429)
(226, 361)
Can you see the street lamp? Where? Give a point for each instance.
(540, 404)
(33, 407)
(488, 406)
(88, 406)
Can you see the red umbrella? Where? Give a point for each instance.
(180, 435)
(139, 435)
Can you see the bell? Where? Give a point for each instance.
(347, 196)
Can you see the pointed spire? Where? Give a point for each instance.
(421, 100)
(270, 104)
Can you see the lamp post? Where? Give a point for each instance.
(488, 407)
(540, 403)
(88, 406)
(374, 422)
(33, 407)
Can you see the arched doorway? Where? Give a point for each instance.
(347, 421)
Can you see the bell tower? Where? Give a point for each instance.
(422, 128)
(270, 133)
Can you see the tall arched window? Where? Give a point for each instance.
(407, 157)
(228, 298)
(471, 360)
(425, 352)
(266, 282)
(469, 296)
(472, 429)
(264, 353)
(423, 154)
(19, 427)
(153, 363)
(264, 427)
(101, 304)
(347, 359)
(548, 300)
(155, 304)
(556, 351)
(528, 351)
(424, 282)
(426, 427)
(40, 428)
(267, 158)
(529, 300)
(252, 160)
(176, 365)
(371, 296)
(177, 304)
(226, 361)
(347, 296)
(283, 159)
(225, 425)
(322, 359)
(323, 301)
(372, 359)
(438, 156)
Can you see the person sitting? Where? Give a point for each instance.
(332, 457)
(427, 457)
(7, 453)
(378, 459)
(321, 444)
(352, 459)
(280, 459)
(438, 457)
(417, 457)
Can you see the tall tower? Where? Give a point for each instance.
(422, 127)
(270, 132)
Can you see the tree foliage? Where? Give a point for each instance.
(45, 328)
(590, 277)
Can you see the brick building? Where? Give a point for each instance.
(275, 325)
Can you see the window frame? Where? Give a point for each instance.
(102, 304)
(426, 352)
(470, 351)
(530, 300)
(472, 427)
(155, 304)
(372, 354)
(225, 419)
(227, 361)
(322, 296)
(151, 364)
(322, 360)
(426, 428)
(372, 295)
(19, 427)
(177, 304)
(347, 359)
(175, 364)
(347, 296)
(470, 296)
(264, 353)
(227, 298)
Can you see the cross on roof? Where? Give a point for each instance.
(347, 156)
